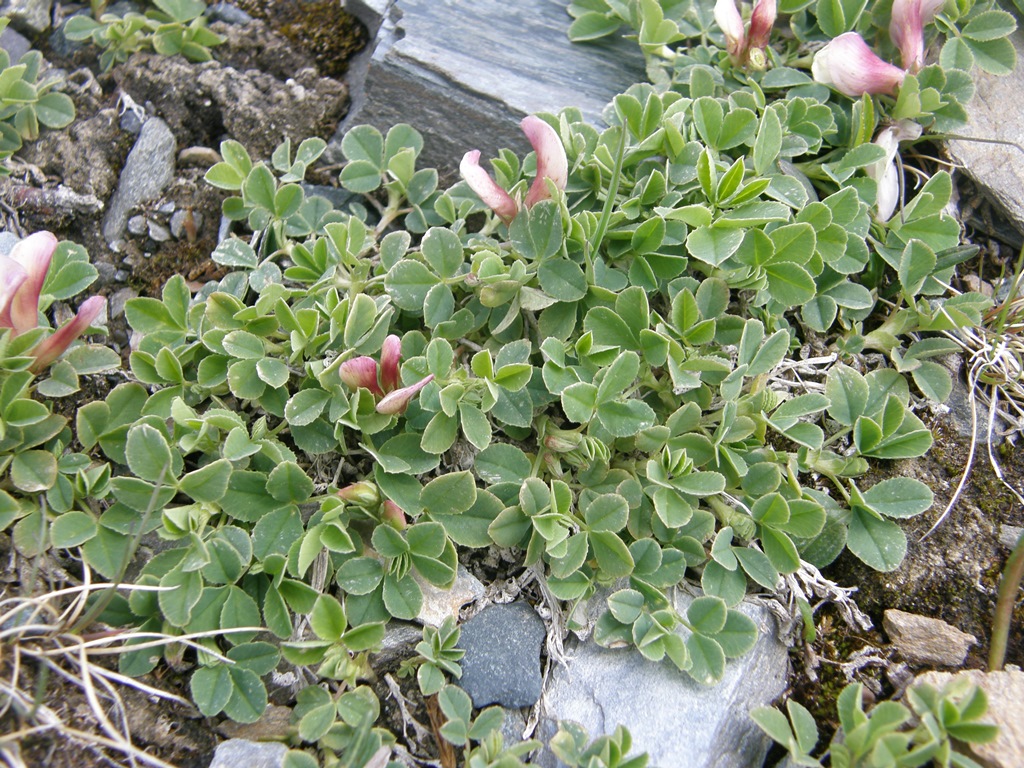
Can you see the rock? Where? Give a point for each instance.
(1009, 535)
(997, 168)
(202, 102)
(137, 225)
(198, 157)
(119, 298)
(33, 15)
(674, 719)
(511, 60)
(1005, 691)
(439, 604)
(132, 121)
(147, 172)
(7, 241)
(922, 640)
(274, 725)
(240, 753)
(227, 13)
(399, 643)
(15, 44)
(180, 226)
(158, 233)
(502, 661)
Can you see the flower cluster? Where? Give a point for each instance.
(551, 164)
(382, 380)
(746, 46)
(852, 68)
(22, 275)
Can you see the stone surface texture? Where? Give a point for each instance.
(674, 719)
(997, 168)
(439, 604)
(29, 14)
(923, 640)
(1005, 691)
(146, 173)
(240, 753)
(15, 44)
(465, 73)
(502, 661)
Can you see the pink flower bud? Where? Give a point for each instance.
(551, 160)
(54, 346)
(397, 401)
(487, 188)
(390, 355)
(728, 18)
(906, 28)
(362, 493)
(393, 515)
(33, 254)
(12, 277)
(360, 372)
(853, 69)
(762, 21)
(885, 172)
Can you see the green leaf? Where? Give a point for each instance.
(402, 597)
(33, 471)
(502, 463)
(989, 25)
(879, 543)
(305, 406)
(248, 698)
(713, 245)
(738, 635)
(259, 187)
(181, 591)
(211, 689)
(626, 605)
(607, 512)
(708, 659)
(900, 497)
(707, 615)
(847, 392)
(790, 284)
(289, 483)
(442, 250)
(917, 262)
(449, 494)
(328, 618)
(593, 26)
(208, 483)
(536, 233)
(149, 455)
(72, 529)
(562, 279)
(613, 557)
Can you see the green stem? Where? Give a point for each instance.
(1009, 586)
(613, 191)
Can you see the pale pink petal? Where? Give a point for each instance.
(363, 493)
(34, 254)
(906, 28)
(762, 21)
(393, 514)
(360, 372)
(728, 18)
(551, 160)
(398, 401)
(486, 188)
(886, 172)
(390, 355)
(853, 69)
(12, 277)
(52, 347)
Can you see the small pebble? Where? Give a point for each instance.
(158, 232)
(227, 13)
(137, 225)
(179, 223)
(131, 121)
(198, 157)
(1009, 535)
(122, 275)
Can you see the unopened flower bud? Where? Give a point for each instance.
(551, 160)
(54, 346)
(562, 441)
(362, 493)
(393, 515)
(390, 355)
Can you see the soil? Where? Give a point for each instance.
(952, 575)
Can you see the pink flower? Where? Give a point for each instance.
(31, 258)
(398, 401)
(853, 69)
(742, 45)
(906, 29)
(361, 372)
(551, 164)
(382, 380)
(52, 347)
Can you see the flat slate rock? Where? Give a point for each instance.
(502, 661)
(464, 74)
(676, 721)
(242, 753)
(997, 168)
(146, 174)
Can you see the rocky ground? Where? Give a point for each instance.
(125, 180)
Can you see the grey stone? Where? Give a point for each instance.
(29, 14)
(439, 604)
(274, 725)
(158, 232)
(923, 640)
(227, 13)
(198, 157)
(132, 121)
(1005, 691)
(147, 172)
(674, 719)
(512, 59)
(15, 44)
(179, 219)
(502, 661)
(137, 225)
(997, 168)
(1009, 535)
(119, 298)
(399, 643)
(241, 753)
